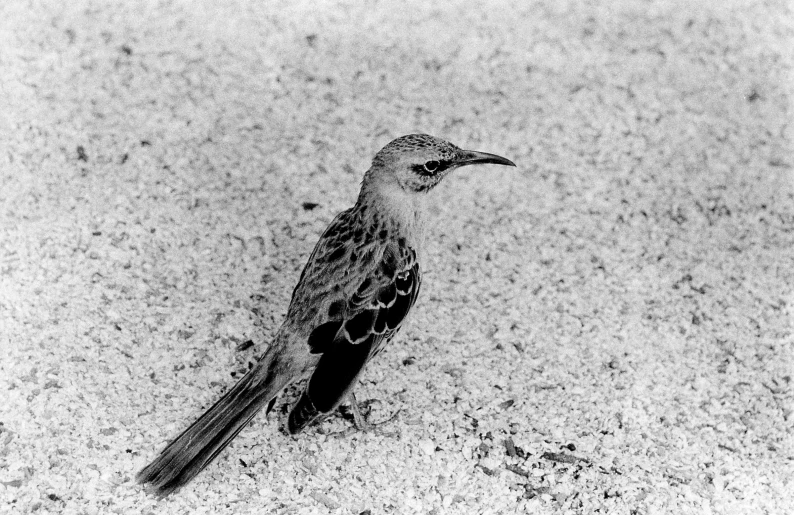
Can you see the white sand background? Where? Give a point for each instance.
(618, 308)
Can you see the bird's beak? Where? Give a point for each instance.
(472, 157)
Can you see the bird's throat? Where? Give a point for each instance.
(396, 210)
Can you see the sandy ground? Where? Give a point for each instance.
(605, 329)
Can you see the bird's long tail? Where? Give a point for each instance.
(194, 449)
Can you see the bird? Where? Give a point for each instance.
(352, 297)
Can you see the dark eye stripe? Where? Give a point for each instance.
(421, 170)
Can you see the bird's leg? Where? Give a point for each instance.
(359, 419)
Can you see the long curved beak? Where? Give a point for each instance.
(472, 157)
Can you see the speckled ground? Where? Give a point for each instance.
(605, 329)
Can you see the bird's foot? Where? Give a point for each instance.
(353, 410)
(361, 419)
(362, 424)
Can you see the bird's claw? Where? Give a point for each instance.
(359, 419)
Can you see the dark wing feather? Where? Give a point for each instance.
(359, 328)
(373, 314)
(323, 335)
(337, 371)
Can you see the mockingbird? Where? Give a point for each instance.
(351, 299)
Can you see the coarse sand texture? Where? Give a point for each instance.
(606, 328)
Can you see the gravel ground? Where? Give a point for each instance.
(605, 329)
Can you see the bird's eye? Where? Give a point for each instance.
(431, 166)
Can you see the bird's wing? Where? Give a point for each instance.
(355, 293)
(356, 338)
(351, 276)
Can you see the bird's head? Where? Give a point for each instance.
(418, 162)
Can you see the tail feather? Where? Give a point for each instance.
(194, 449)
